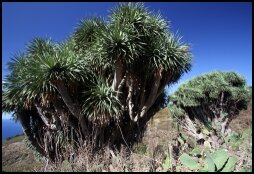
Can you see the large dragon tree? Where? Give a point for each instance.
(100, 86)
(204, 106)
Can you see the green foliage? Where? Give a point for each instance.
(223, 161)
(180, 140)
(209, 160)
(209, 164)
(230, 165)
(166, 164)
(219, 158)
(176, 112)
(196, 151)
(87, 33)
(207, 88)
(216, 161)
(246, 133)
(100, 104)
(189, 162)
(235, 139)
(205, 131)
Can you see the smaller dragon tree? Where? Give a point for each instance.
(204, 106)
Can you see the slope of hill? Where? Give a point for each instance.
(16, 157)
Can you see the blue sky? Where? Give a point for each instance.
(220, 33)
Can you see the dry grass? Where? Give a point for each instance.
(147, 156)
(16, 157)
(243, 120)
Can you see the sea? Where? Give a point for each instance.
(10, 128)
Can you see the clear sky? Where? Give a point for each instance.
(220, 33)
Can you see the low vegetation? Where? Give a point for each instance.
(160, 150)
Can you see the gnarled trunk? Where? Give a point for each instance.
(62, 115)
(73, 107)
(152, 95)
(24, 119)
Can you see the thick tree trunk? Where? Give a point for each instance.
(63, 116)
(152, 96)
(59, 111)
(73, 108)
(142, 95)
(24, 119)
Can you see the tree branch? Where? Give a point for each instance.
(120, 86)
(163, 84)
(118, 74)
(44, 118)
(73, 108)
(129, 99)
(153, 93)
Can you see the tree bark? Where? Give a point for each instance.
(153, 94)
(44, 118)
(73, 108)
(118, 74)
(163, 84)
(63, 116)
(129, 99)
(142, 95)
(120, 86)
(24, 119)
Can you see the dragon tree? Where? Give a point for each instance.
(100, 86)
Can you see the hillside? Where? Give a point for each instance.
(16, 157)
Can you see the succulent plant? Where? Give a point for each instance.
(218, 161)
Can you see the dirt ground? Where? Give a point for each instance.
(160, 128)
